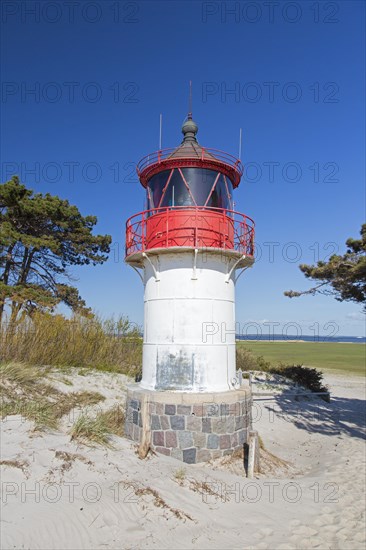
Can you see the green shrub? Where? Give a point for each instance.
(309, 378)
(246, 360)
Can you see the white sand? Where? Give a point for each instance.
(101, 499)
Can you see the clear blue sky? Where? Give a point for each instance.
(101, 76)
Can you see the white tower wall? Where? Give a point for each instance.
(189, 322)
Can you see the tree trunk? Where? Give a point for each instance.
(22, 279)
(5, 277)
(24, 264)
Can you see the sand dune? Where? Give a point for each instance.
(57, 494)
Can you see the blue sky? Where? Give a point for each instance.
(290, 74)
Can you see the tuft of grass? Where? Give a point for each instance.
(21, 374)
(114, 419)
(180, 475)
(40, 411)
(42, 414)
(92, 431)
(78, 400)
(97, 430)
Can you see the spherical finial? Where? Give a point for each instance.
(189, 129)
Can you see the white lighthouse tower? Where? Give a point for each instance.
(189, 245)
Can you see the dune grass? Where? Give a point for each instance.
(107, 345)
(114, 419)
(26, 391)
(44, 413)
(328, 357)
(97, 430)
(21, 374)
(90, 430)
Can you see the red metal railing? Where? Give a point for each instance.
(189, 226)
(210, 157)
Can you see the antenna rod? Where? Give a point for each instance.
(190, 101)
(240, 136)
(161, 131)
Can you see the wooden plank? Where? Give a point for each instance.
(146, 430)
(253, 455)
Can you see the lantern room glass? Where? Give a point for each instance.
(189, 187)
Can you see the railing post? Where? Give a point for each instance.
(226, 229)
(127, 238)
(245, 237)
(167, 227)
(195, 228)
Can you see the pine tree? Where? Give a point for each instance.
(343, 277)
(40, 237)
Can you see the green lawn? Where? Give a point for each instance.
(345, 358)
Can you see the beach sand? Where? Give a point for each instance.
(58, 494)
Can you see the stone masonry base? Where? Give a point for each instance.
(191, 427)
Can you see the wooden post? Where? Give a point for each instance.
(146, 431)
(253, 454)
(240, 377)
(257, 464)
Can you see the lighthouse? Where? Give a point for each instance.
(189, 247)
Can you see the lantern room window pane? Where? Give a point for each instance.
(177, 193)
(200, 182)
(222, 193)
(219, 197)
(229, 192)
(156, 185)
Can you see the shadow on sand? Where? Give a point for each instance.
(340, 416)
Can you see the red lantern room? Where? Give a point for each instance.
(189, 201)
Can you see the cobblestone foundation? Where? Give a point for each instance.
(191, 427)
